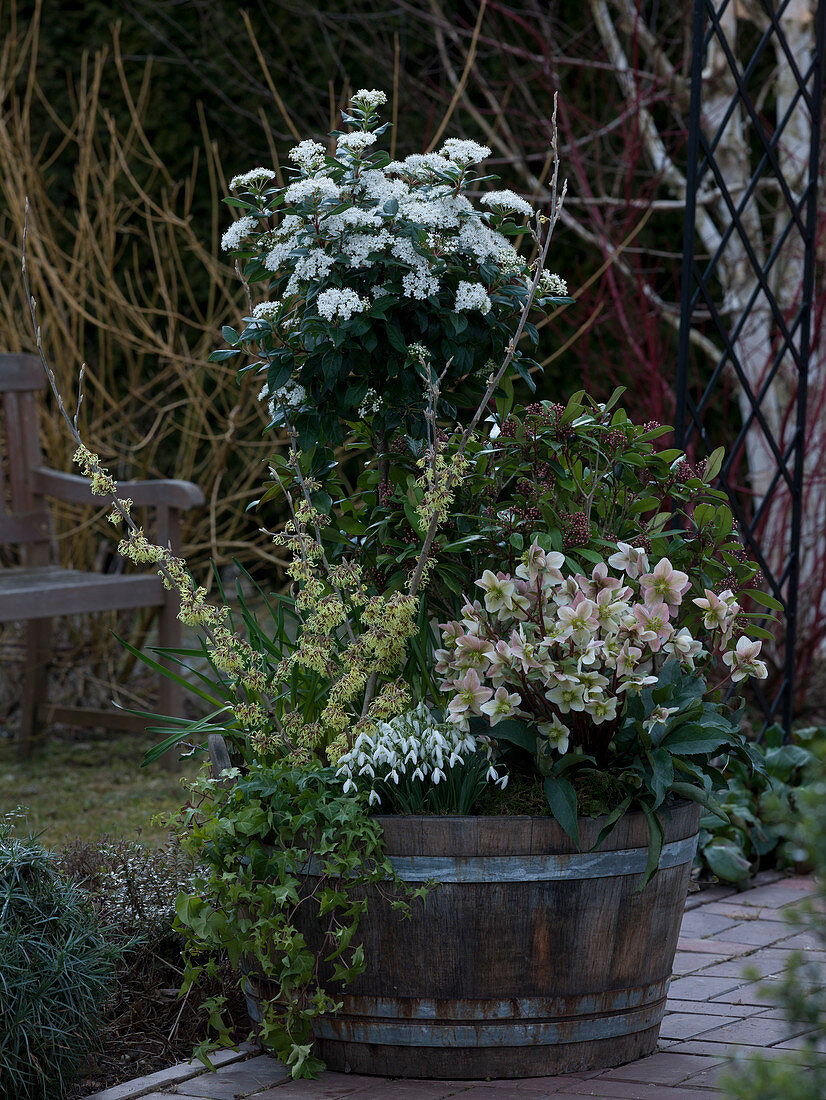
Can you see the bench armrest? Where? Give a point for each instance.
(74, 489)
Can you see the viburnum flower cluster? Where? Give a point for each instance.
(563, 649)
(414, 750)
(367, 256)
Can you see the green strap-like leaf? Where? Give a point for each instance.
(561, 798)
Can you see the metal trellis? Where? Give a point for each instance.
(734, 102)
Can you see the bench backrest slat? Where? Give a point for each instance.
(24, 517)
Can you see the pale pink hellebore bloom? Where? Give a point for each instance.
(665, 584)
(718, 611)
(468, 698)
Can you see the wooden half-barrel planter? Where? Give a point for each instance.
(529, 959)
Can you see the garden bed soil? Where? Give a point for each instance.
(148, 1028)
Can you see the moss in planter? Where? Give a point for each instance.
(597, 793)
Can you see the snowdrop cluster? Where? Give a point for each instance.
(562, 649)
(413, 746)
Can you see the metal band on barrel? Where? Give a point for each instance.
(516, 1033)
(539, 868)
(508, 1008)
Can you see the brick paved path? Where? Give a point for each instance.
(714, 1014)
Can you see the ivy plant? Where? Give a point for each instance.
(259, 836)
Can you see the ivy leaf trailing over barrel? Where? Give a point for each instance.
(257, 837)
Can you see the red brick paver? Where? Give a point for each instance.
(713, 1012)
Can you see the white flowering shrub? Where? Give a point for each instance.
(365, 262)
(416, 764)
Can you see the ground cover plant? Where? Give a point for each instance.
(58, 970)
(763, 809)
(145, 1024)
(577, 626)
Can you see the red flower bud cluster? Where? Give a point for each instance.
(576, 530)
(614, 441)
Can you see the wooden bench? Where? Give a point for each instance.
(37, 589)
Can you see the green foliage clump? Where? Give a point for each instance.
(257, 840)
(762, 807)
(56, 972)
(801, 993)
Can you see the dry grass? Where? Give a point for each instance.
(113, 271)
(84, 787)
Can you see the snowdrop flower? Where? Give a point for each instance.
(237, 231)
(471, 296)
(506, 201)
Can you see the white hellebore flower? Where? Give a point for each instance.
(502, 705)
(499, 592)
(743, 662)
(557, 734)
(658, 717)
(631, 560)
